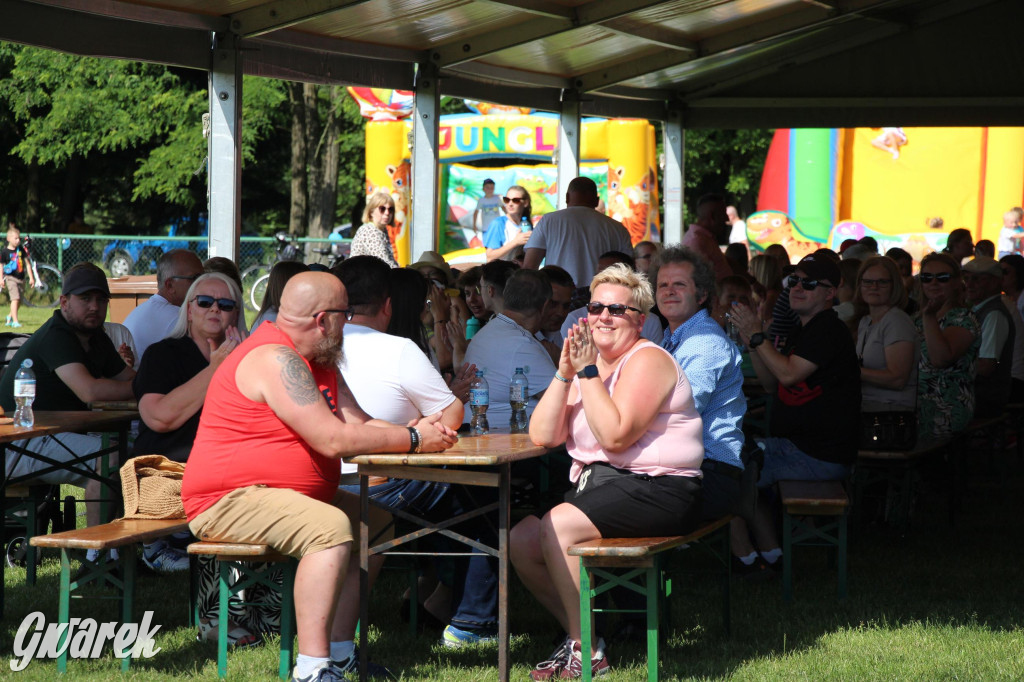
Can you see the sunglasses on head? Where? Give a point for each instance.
(226, 305)
(807, 283)
(943, 277)
(514, 200)
(616, 309)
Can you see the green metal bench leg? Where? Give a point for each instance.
(127, 560)
(842, 555)
(222, 619)
(64, 607)
(586, 633)
(287, 620)
(652, 620)
(787, 557)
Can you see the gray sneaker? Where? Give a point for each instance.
(328, 673)
(163, 558)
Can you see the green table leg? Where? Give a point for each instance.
(222, 615)
(127, 557)
(652, 621)
(586, 633)
(64, 607)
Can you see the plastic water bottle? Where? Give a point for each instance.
(525, 225)
(24, 394)
(472, 327)
(518, 395)
(479, 399)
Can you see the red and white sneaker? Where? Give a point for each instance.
(573, 668)
(548, 669)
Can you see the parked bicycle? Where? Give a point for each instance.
(254, 277)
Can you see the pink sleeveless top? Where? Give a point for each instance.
(672, 446)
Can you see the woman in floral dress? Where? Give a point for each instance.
(950, 337)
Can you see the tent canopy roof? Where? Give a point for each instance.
(713, 63)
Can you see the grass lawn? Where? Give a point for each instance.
(935, 603)
(30, 318)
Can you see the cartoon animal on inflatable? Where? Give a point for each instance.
(775, 227)
(629, 205)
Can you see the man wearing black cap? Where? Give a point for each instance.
(816, 381)
(75, 363)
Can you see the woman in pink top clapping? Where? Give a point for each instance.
(625, 412)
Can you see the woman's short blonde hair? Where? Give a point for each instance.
(642, 297)
(377, 199)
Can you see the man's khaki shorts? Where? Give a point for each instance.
(288, 521)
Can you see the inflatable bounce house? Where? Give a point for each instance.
(823, 186)
(618, 154)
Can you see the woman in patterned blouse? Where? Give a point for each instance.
(372, 238)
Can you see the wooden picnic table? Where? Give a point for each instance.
(52, 423)
(460, 465)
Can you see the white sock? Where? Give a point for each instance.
(749, 559)
(772, 555)
(342, 651)
(92, 555)
(307, 665)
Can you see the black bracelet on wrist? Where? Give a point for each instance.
(414, 440)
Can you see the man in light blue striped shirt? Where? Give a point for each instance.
(685, 291)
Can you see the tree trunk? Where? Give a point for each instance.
(297, 215)
(32, 218)
(321, 220)
(71, 201)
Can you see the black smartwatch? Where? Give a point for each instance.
(755, 340)
(588, 372)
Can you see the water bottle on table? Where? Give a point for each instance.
(24, 394)
(479, 399)
(518, 395)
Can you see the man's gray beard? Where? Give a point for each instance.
(328, 353)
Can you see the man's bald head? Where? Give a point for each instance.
(582, 192)
(307, 293)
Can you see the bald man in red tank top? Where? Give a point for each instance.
(265, 465)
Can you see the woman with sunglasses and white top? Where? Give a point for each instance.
(505, 232)
(625, 411)
(372, 238)
(950, 338)
(171, 387)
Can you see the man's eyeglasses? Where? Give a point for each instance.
(875, 282)
(927, 277)
(348, 313)
(616, 309)
(226, 305)
(190, 278)
(514, 200)
(807, 283)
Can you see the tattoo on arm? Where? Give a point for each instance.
(297, 379)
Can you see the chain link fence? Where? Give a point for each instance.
(122, 255)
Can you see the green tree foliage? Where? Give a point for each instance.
(728, 161)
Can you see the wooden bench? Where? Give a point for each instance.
(898, 470)
(122, 534)
(644, 556)
(815, 499)
(239, 556)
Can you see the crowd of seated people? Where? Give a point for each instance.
(638, 373)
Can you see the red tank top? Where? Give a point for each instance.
(242, 443)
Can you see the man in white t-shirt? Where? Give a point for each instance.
(738, 233)
(508, 342)
(575, 237)
(153, 319)
(392, 379)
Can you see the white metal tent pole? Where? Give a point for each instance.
(426, 119)
(674, 138)
(568, 143)
(224, 147)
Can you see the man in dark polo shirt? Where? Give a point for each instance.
(75, 363)
(815, 379)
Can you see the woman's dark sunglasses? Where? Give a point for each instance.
(616, 309)
(943, 277)
(514, 200)
(807, 283)
(226, 305)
